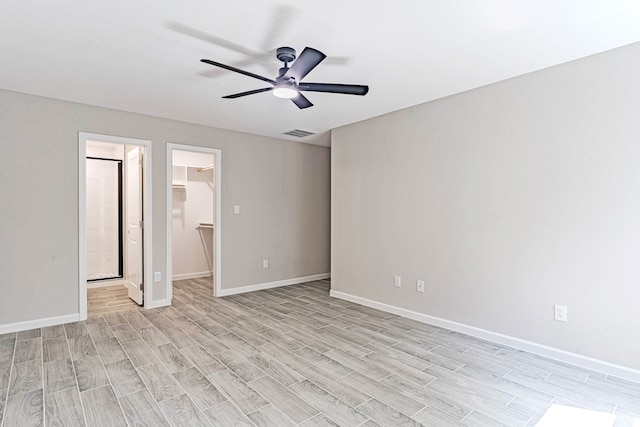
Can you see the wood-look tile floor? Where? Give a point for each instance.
(108, 299)
(283, 357)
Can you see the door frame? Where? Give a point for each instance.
(217, 226)
(83, 137)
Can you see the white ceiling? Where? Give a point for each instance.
(144, 55)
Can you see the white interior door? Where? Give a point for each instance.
(134, 267)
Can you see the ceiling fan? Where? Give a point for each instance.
(289, 83)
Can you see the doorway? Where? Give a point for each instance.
(104, 215)
(194, 216)
(114, 196)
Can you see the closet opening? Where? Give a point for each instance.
(193, 212)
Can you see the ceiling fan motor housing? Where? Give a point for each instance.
(286, 54)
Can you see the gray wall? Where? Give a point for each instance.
(506, 200)
(282, 186)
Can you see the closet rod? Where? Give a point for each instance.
(206, 168)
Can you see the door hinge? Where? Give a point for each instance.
(142, 287)
(141, 224)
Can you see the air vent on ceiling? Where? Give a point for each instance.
(299, 133)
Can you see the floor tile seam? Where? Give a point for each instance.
(11, 374)
(508, 372)
(195, 405)
(568, 399)
(618, 401)
(147, 385)
(108, 377)
(236, 407)
(327, 391)
(525, 423)
(597, 396)
(406, 396)
(58, 391)
(75, 374)
(165, 365)
(480, 396)
(26, 392)
(262, 407)
(176, 326)
(474, 380)
(228, 396)
(128, 393)
(30, 339)
(511, 401)
(323, 370)
(157, 406)
(208, 407)
(619, 388)
(368, 418)
(291, 391)
(44, 385)
(461, 421)
(459, 367)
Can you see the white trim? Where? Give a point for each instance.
(269, 285)
(192, 275)
(217, 241)
(83, 137)
(532, 347)
(105, 283)
(38, 323)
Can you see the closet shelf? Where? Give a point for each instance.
(205, 225)
(179, 173)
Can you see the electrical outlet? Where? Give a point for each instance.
(420, 285)
(236, 209)
(265, 263)
(560, 313)
(157, 276)
(397, 281)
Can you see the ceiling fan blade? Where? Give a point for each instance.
(281, 18)
(334, 88)
(249, 92)
(210, 38)
(307, 61)
(301, 101)
(237, 70)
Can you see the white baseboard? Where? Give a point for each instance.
(532, 347)
(105, 283)
(192, 275)
(158, 303)
(38, 323)
(269, 285)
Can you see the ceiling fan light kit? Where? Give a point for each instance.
(289, 83)
(285, 91)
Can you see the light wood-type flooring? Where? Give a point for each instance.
(283, 357)
(108, 299)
